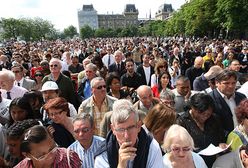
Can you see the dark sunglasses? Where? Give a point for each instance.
(100, 87)
(55, 65)
(39, 75)
(16, 71)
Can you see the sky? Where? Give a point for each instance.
(63, 13)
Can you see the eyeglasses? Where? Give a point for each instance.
(44, 156)
(151, 58)
(40, 75)
(128, 129)
(54, 65)
(83, 130)
(16, 71)
(54, 114)
(178, 149)
(162, 67)
(100, 87)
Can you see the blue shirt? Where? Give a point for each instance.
(87, 89)
(87, 156)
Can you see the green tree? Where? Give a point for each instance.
(86, 32)
(70, 31)
(11, 27)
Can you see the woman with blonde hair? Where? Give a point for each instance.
(179, 145)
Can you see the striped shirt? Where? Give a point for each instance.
(87, 156)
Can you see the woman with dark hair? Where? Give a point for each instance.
(239, 136)
(164, 84)
(41, 151)
(204, 127)
(61, 127)
(160, 66)
(97, 60)
(38, 76)
(19, 110)
(114, 86)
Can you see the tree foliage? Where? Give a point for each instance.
(70, 31)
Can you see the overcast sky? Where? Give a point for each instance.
(63, 13)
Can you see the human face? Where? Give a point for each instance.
(180, 150)
(118, 57)
(164, 80)
(43, 153)
(198, 64)
(55, 67)
(127, 131)
(201, 117)
(227, 87)
(18, 73)
(146, 59)
(49, 94)
(99, 89)
(146, 98)
(130, 67)
(38, 76)
(115, 85)
(17, 58)
(74, 60)
(56, 115)
(83, 132)
(90, 74)
(5, 82)
(183, 87)
(219, 57)
(235, 66)
(14, 147)
(18, 114)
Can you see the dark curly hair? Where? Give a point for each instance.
(242, 111)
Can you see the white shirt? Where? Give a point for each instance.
(147, 71)
(154, 160)
(154, 80)
(16, 91)
(244, 89)
(232, 105)
(20, 81)
(105, 59)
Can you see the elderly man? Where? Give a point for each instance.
(99, 103)
(127, 144)
(64, 83)
(118, 66)
(194, 71)
(226, 99)
(146, 99)
(86, 143)
(8, 89)
(28, 84)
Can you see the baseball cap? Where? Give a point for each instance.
(213, 72)
(49, 85)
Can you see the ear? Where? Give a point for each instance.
(139, 124)
(112, 128)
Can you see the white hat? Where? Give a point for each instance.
(213, 72)
(49, 85)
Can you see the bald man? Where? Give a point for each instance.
(146, 99)
(195, 71)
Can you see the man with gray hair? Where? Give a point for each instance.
(127, 144)
(86, 143)
(99, 103)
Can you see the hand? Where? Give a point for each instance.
(188, 95)
(223, 145)
(126, 152)
(50, 129)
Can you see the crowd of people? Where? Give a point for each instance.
(123, 102)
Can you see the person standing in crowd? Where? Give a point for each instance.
(161, 66)
(145, 70)
(195, 71)
(40, 150)
(86, 143)
(108, 59)
(64, 83)
(8, 89)
(38, 76)
(118, 66)
(99, 103)
(226, 99)
(127, 144)
(179, 145)
(175, 72)
(20, 80)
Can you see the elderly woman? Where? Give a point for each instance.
(239, 136)
(158, 120)
(202, 124)
(40, 150)
(179, 145)
(61, 127)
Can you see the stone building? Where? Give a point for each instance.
(164, 12)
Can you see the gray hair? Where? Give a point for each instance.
(56, 60)
(118, 52)
(83, 117)
(165, 94)
(94, 80)
(142, 89)
(10, 75)
(122, 109)
(91, 66)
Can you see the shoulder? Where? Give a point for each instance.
(101, 161)
(110, 98)
(228, 160)
(199, 162)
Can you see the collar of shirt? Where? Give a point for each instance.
(20, 81)
(93, 103)
(224, 96)
(143, 107)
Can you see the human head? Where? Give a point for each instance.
(130, 66)
(178, 142)
(118, 56)
(98, 87)
(75, 59)
(226, 82)
(234, 65)
(17, 69)
(7, 79)
(86, 61)
(83, 126)
(164, 78)
(15, 134)
(213, 72)
(183, 85)
(125, 122)
(145, 95)
(167, 98)
(113, 81)
(242, 112)
(159, 119)
(146, 59)
(39, 146)
(35, 99)
(161, 66)
(198, 62)
(38, 76)
(49, 90)
(55, 65)
(97, 60)
(90, 71)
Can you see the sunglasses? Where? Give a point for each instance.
(40, 75)
(16, 71)
(100, 87)
(55, 65)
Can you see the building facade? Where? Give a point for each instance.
(88, 16)
(164, 12)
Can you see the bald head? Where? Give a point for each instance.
(145, 95)
(143, 89)
(198, 62)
